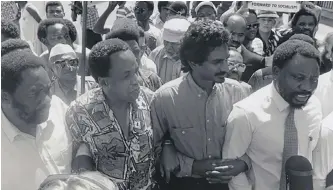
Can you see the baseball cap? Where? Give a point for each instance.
(267, 14)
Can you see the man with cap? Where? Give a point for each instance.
(166, 57)
(267, 36)
(34, 140)
(206, 9)
(64, 66)
(177, 8)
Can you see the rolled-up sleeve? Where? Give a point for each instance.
(237, 141)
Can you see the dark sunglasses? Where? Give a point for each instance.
(139, 10)
(255, 26)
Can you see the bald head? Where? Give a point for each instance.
(236, 25)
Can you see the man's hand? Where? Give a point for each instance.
(226, 170)
(169, 161)
(200, 167)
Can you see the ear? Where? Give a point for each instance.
(6, 98)
(275, 71)
(192, 65)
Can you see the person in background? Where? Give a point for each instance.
(205, 9)
(54, 31)
(128, 31)
(326, 50)
(294, 129)
(143, 10)
(266, 34)
(236, 69)
(9, 30)
(166, 57)
(236, 25)
(162, 14)
(146, 63)
(323, 154)
(32, 121)
(123, 11)
(324, 90)
(303, 22)
(29, 21)
(177, 9)
(117, 112)
(251, 42)
(264, 76)
(193, 13)
(66, 83)
(193, 110)
(92, 19)
(54, 9)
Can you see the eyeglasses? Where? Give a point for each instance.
(67, 62)
(255, 26)
(236, 65)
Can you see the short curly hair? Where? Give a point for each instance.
(10, 29)
(288, 49)
(99, 57)
(71, 30)
(303, 37)
(53, 3)
(150, 4)
(16, 57)
(44, 24)
(199, 40)
(125, 29)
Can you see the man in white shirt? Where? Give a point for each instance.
(34, 143)
(278, 121)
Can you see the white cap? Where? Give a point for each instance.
(59, 50)
(174, 29)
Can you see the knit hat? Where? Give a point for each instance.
(178, 7)
(174, 29)
(267, 14)
(205, 3)
(59, 50)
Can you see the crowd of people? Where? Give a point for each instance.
(203, 95)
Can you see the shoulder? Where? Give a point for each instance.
(147, 93)
(157, 51)
(231, 83)
(170, 87)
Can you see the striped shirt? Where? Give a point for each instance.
(125, 12)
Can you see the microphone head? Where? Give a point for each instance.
(298, 163)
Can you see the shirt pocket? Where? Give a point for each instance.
(186, 138)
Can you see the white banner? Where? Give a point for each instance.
(278, 6)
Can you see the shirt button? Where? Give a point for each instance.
(207, 120)
(209, 156)
(209, 139)
(183, 132)
(199, 95)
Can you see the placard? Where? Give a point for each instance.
(278, 6)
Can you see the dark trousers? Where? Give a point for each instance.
(189, 183)
(92, 38)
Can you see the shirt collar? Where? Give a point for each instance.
(8, 128)
(198, 90)
(281, 104)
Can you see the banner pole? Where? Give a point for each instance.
(84, 41)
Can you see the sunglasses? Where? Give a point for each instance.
(139, 10)
(255, 26)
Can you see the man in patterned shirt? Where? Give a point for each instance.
(111, 125)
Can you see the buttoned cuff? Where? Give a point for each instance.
(185, 164)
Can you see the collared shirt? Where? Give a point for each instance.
(194, 119)
(129, 162)
(323, 154)
(324, 92)
(167, 68)
(158, 23)
(28, 160)
(256, 128)
(92, 17)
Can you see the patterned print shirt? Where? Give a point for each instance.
(273, 40)
(128, 162)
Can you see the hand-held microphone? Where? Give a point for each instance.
(299, 173)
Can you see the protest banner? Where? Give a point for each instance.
(278, 6)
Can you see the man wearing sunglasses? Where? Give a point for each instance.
(236, 69)
(64, 66)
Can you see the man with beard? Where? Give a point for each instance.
(303, 22)
(34, 140)
(236, 25)
(294, 129)
(167, 57)
(193, 110)
(128, 31)
(236, 69)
